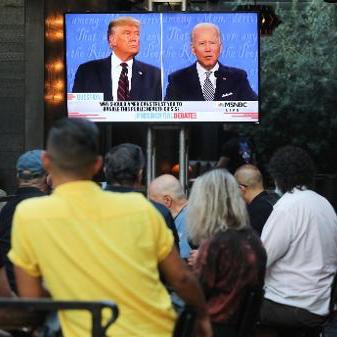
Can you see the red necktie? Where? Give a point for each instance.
(123, 93)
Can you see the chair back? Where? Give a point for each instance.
(333, 295)
(249, 312)
(184, 326)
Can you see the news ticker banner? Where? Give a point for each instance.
(93, 107)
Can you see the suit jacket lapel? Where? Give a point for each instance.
(194, 88)
(222, 84)
(136, 80)
(105, 78)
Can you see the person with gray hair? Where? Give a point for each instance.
(208, 79)
(231, 259)
(167, 190)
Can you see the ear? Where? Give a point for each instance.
(192, 48)
(167, 201)
(140, 176)
(97, 165)
(112, 40)
(46, 162)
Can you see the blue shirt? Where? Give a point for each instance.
(179, 221)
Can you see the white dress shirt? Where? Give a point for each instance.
(300, 237)
(116, 70)
(202, 75)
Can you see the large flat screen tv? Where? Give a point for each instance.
(163, 67)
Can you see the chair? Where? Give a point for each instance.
(31, 313)
(185, 323)
(249, 312)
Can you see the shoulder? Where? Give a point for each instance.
(232, 71)
(182, 72)
(262, 201)
(94, 64)
(126, 204)
(35, 207)
(145, 66)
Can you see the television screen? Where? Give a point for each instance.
(163, 67)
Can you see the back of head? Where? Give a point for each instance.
(291, 167)
(167, 184)
(123, 164)
(72, 144)
(249, 176)
(29, 168)
(215, 205)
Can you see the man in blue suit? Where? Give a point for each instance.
(120, 76)
(208, 79)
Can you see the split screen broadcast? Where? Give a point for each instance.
(163, 67)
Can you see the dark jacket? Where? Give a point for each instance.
(6, 218)
(95, 76)
(231, 85)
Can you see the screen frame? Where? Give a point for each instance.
(162, 122)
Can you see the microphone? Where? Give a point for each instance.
(218, 74)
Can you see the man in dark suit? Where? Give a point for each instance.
(207, 79)
(120, 76)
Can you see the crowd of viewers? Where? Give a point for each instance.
(210, 250)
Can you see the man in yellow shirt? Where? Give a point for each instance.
(87, 244)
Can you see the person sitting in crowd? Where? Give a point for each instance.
(167, 190)
(5, 290)
(2, 194)
(300, 237)
(259, 202)
(31, 178)
(124, 168)
(231, 260)
(84, 243)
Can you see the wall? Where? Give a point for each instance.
(12, 84)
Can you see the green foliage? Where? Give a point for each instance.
(299, 85)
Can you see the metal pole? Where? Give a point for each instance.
(108, 137)
(182, 158)
(149, 156)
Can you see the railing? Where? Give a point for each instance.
(18, 313)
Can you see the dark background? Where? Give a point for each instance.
(298, 86)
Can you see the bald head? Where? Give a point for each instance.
(167, 190)
(249, 175)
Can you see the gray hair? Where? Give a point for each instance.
(215, 205)
(168, 184)
(206, 25)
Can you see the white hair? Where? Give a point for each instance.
(206, 25)
(215, 205)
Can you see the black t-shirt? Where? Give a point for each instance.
(259, 210)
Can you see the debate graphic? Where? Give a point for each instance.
(165, 41)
